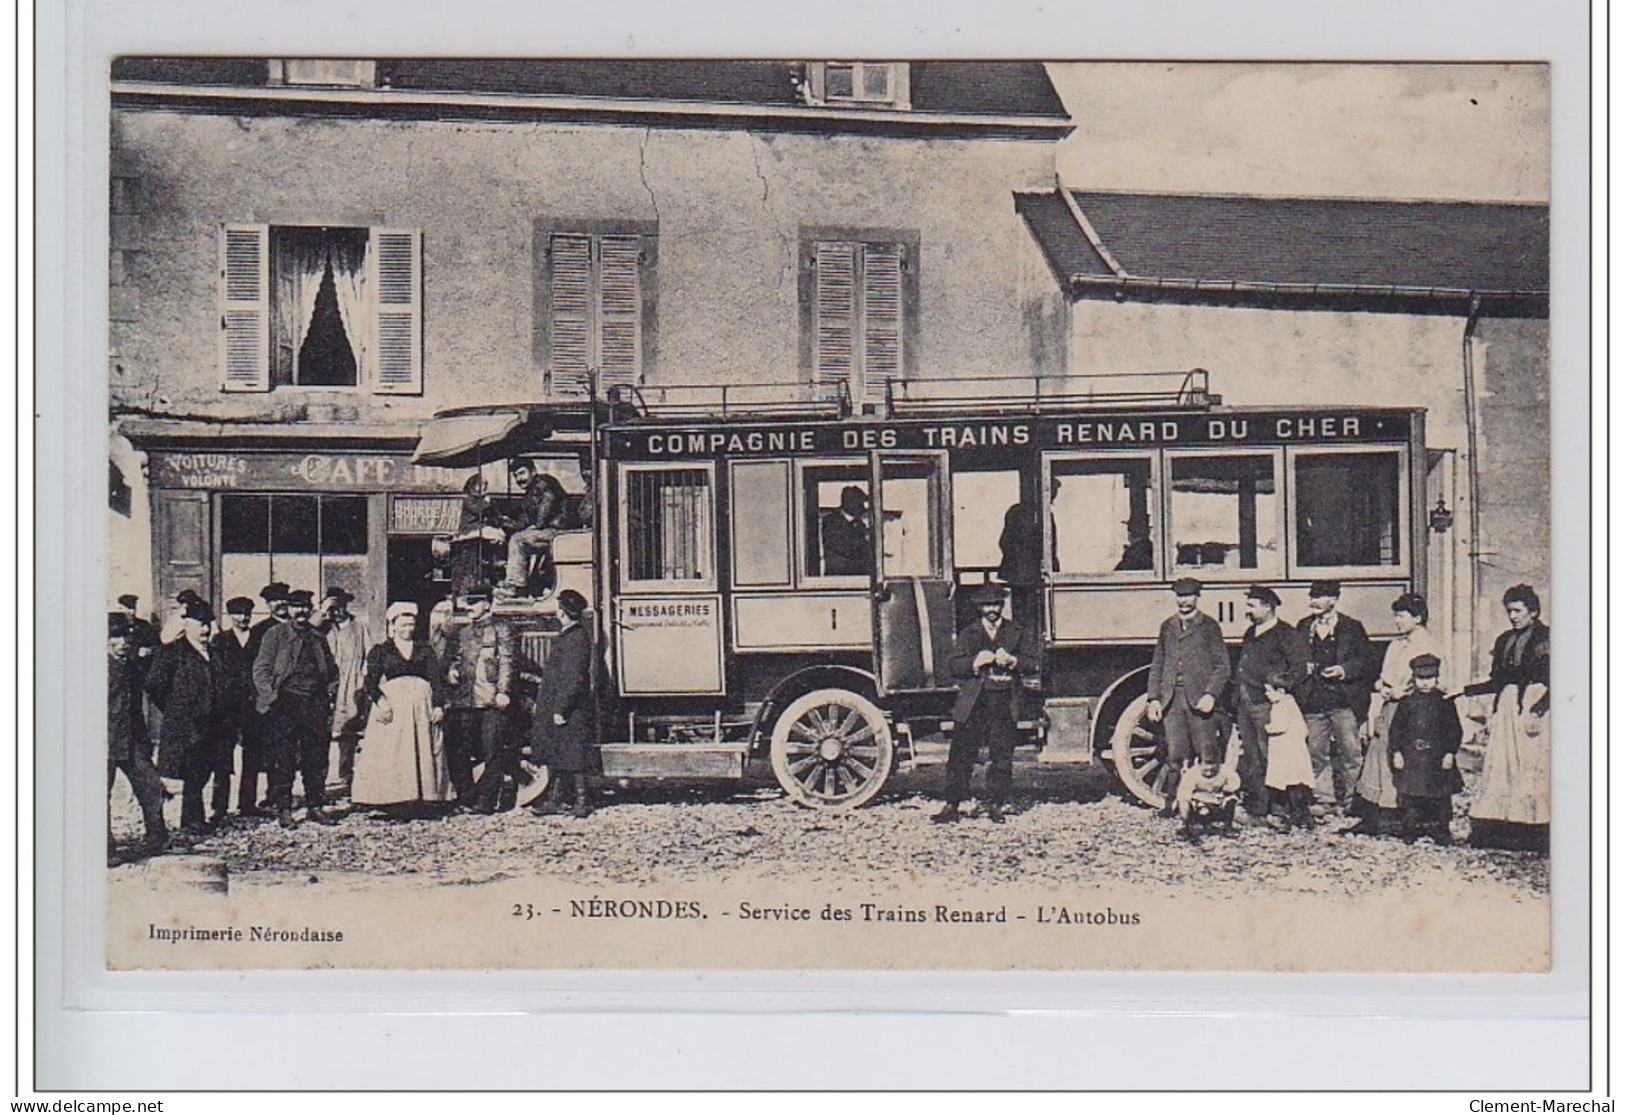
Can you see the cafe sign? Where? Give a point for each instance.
(342, 472)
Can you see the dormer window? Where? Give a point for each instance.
(860, 84)
(335, 73)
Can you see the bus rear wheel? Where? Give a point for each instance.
(831, 749)
(1140, 754)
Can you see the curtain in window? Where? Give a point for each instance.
(298, 261)
(347, 256)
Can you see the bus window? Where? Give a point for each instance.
(981, 503)
(910, 517)
(667, 527)
(1100, 515)
(1222, 513)
(1346, 510)
(760, 510)
(836, 521)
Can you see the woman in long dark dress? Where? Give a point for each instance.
(562, 733)
(401, 763)
(1512, 804)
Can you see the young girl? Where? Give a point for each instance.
(1289, 773)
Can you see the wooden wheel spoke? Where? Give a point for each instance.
(1142, 732)
(798, 767)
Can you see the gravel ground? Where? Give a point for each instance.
(1069, 826)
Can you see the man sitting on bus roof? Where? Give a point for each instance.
(537, 523)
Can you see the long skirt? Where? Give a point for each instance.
(1375, 786)
(403, 760)
(1515, 785)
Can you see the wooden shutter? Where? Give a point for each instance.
(834, 303)
(882, 317)
(180, 531)
(570, 314)
(397, 282)
(620, 312)
(245, 308)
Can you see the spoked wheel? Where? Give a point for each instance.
(832, 749)
(1140, 753)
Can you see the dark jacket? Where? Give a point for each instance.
(237, 661)
(1189, 658)
(193, 694)
(566, 690)
(847, 548)
(1021, 546)
(1350, 648)
(293, 658)
(543, 504)
(385, 661)
(1280, 650)
(972, 641)
(1425, 729)
(126, 726)
(1534, 666)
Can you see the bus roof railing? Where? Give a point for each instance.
(1042, 394)
(730, 400)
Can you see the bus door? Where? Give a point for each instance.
(913, 571)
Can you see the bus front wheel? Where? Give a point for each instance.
(1140, 754)
(831, 749)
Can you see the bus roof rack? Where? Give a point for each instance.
(729, 400)
(1043, 394)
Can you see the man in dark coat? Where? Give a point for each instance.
(1335, 692)
(990, 658)
(128, 747)
(562, 733)
(1269, 647)
(480, 656)
(844, 533)
(256, 736)
(189, 685)
(1189, 670)
(294, 679)
(1422, 742)
(539, 518)
(143, 635)
(231, 647)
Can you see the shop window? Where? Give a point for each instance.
(860, 298)
(668, 526)
(596, 305)
(1100, 516)
(858, 84)
(320, 307)
(308, 541)
(837, 529)
(1222, 513)
(1346, 510)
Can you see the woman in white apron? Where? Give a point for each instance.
(401, 763)
(1512, 802)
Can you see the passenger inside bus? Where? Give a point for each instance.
(1101, 515)
(844, 536)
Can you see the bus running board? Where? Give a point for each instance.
(674, 760)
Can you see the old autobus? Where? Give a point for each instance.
(748, 602)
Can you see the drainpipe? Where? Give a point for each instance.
(1470, 400)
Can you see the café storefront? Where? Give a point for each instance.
(227, 521)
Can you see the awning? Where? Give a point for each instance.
(466, 440)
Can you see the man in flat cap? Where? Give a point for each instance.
(1269, 648)
(294, 679)
(231, 648)
(990, 657)
(256, 733)
(1189, 670)
(480, 672)
(143, 635)
(349, 641)
(845, 536)
(1335, 693)
(536, 522)
(129, 748)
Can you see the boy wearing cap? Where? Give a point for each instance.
(1422, 740)
(1268, 647)
(294, 679)
(1341, 668)
(1189, 670)
(990, 657)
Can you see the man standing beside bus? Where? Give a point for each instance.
(1189, 670)
(1269, 647)
(990, 657)
(1340, 673)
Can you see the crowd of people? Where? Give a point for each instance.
(413, 720)
(1330, 725)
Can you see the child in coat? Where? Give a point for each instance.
(1422, 742)
(1289, 776)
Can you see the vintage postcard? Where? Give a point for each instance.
(809, 513)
